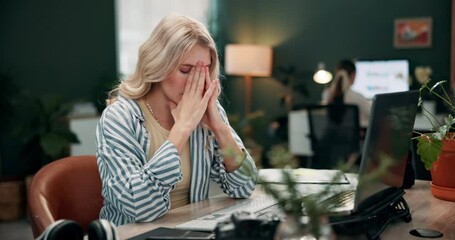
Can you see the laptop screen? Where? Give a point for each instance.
(387, 143)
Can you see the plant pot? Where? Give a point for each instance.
(443, 182)
(12, 201)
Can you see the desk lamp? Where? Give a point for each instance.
(248, 61)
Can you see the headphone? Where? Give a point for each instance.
(65, 229)
(102, 229)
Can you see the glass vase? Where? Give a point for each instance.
(301, 228)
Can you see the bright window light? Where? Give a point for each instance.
(136, 19)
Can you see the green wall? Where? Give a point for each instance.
(69, 47)
(306, 32)
(52, 47)
(58, 46)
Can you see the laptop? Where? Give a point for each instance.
(387, 144)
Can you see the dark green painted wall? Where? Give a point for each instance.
(58, 47)
(68, 47)
(52, 47)
(306, 32)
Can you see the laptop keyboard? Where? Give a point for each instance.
(209, 221)
(340, 198)
(341, 201)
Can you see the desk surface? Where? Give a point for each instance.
(427, 212)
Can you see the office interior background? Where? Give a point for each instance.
(70, 49)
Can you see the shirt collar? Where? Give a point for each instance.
(133, 104)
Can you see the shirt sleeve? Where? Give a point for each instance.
(240, 183)
(363, 103)
(137, 188)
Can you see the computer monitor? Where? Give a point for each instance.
(381, 76)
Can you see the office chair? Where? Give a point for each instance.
(334, 134)
(69, 188)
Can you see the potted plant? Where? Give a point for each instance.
(45, 134)
(33, 132)
(437, 148)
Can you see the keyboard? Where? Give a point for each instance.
(208, 222)
(340, 198)
(341, 202)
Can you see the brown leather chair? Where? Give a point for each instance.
(69, 188)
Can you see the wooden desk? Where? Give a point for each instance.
(427, 212)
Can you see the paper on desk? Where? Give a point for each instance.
(303, 175)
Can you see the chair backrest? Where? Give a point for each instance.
(69, 188)
(334, 133)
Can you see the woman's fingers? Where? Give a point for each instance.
(214, 96)
(194, 87)
(210, 91)
(189, 80)
(207, 78)
(200, 81)
(196, 79)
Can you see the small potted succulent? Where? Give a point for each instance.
(437, 147)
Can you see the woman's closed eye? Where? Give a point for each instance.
(185, 69)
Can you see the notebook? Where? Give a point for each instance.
(388, 138)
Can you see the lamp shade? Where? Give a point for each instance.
(248, 60)
(322, 76)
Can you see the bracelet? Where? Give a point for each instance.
(244, 151)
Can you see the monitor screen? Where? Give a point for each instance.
(381, 76)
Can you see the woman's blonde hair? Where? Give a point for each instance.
(163, 52)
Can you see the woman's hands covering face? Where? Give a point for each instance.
(198, 93)
(199, 103)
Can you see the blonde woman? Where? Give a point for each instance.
(163, 135)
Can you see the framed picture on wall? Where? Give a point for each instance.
(412, 32)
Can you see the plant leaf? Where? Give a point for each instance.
(437, 84)
(449, 120)
(429, 149)
(53, 144)
(68, 135)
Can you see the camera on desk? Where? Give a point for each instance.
(244, 225)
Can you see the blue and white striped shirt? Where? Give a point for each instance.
(136, 189)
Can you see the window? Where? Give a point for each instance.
(136, 20)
